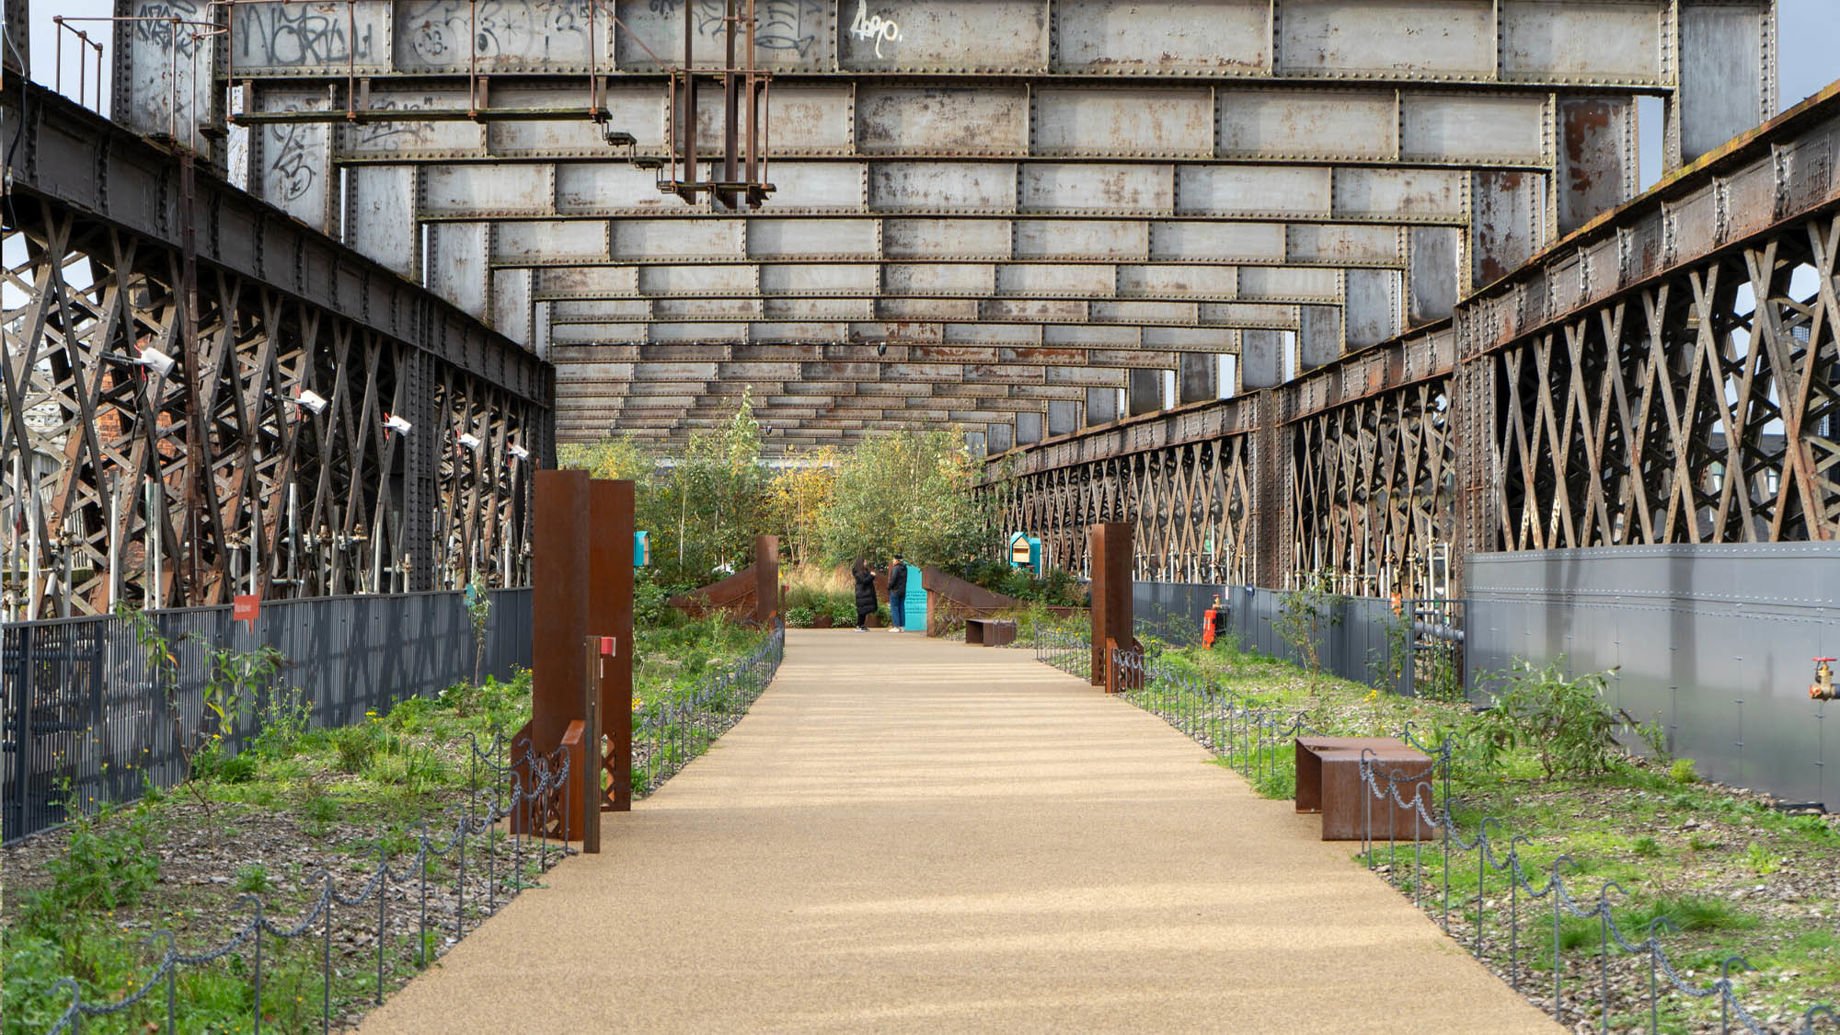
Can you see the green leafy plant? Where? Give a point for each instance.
(253, 878)
(1682, 771)
(1303, 615)
(281, 721)
(479, 614)
(1646, 847)
(108, 863)
(1760, 859)
(357, 745)
(1563, 720)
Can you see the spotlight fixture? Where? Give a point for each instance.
(520, 452)
(155, 360)
(311, 401)
(396, 424)
(469, 441)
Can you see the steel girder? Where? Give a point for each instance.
(128, 483)
(1160, 178)
(1669, 374)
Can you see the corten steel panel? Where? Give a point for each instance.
(560, 618)
(1713, 641)
(766, 578)
(611, 565)
(1111, 545)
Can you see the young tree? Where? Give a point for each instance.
(909, 493)
(797, 499)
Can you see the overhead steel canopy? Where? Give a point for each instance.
(1019, 216)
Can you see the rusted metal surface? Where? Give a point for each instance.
(1112, 621)
(1328, 162)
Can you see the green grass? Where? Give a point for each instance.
(1629, 825)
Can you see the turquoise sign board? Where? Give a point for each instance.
(916, 602)
(642, 549)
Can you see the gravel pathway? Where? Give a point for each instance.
(911, 835)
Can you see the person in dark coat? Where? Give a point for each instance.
(865, 596)
(897, 594)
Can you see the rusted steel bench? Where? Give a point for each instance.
(990, 632)
(1329, 782)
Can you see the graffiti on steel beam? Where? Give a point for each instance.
(310, 35)
(875, 27)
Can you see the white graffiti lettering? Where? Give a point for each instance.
(875, 27)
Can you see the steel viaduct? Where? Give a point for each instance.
(1296, 285)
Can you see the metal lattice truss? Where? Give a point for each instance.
(146, 468)
(1701, 409)
(1192, 500)
(1669, 374)
(1373, 485)
(1020, 216)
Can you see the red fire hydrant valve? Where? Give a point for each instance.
(1822, 689)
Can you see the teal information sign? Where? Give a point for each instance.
(642, 549)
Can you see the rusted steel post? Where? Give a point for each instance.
(559, 605)
(594, 661)
(766, 578)
(611, 609)
(1111, 593)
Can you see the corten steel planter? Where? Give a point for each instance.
(1329, 782)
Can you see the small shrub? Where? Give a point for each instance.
(799, 617)
(281, 722)
(1564, 720)
(253, 879)
(1681, 771)
(108, 863)
(214, 762)
(1760, 860)
(1701, 843)
(356, 746)
(320, 808)
(1646, 847)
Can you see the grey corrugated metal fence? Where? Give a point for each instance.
(82, 721)
(1353, 640)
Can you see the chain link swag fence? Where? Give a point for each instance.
(1256, 740)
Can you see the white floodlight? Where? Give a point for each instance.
(155, 360)
(311, 401)
(469, 441)
(520, 452)
(397, 424)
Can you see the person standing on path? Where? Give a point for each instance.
(897, 594)
(865, 595)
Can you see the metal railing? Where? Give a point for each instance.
(86, 720)
(669, 733)
(1252, 738)
(532, 791)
